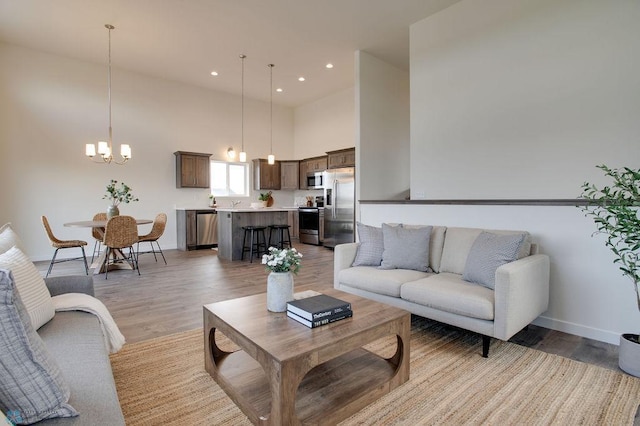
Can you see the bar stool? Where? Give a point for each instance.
(255, 233)
(280, 233)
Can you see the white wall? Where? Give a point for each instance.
(382, 129)
(324, 125)
(521, 99)
(50, 106)
(526, 95)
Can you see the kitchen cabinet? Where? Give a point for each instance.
(289, 175)
(341, 158)
(186, 228)
(265, 175)
(192, 169)
(311, 165)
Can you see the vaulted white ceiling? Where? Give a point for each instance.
(184, 40)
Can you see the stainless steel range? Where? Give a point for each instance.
(311, 223)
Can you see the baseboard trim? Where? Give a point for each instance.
(578, 330)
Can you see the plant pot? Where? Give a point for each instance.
(629, 354)
(279, 291)
(112, 211)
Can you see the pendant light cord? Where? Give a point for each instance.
(242, 104)
(110, 27)
(271, 107)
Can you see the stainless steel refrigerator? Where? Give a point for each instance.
(339, 206)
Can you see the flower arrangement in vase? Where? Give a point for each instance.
(282, 264)
(117, 194)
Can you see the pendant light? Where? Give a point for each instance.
(271, 159)
(105, 149)
(243, 154)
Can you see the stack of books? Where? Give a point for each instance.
(318, 310)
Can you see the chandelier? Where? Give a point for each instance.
(105, 149)
(243, 154)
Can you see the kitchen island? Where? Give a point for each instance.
(231, 221)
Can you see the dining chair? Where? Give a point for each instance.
(159, 224)
(97, 234)
(63, 244)
(120, 233)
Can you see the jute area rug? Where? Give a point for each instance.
(163, 381)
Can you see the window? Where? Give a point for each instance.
(229, 179)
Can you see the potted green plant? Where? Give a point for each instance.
(266, 198)
(281, 264)
(614, 209)
(117, 194)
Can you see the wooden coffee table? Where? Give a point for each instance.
(286, 373)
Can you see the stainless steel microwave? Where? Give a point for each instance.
(314, 180)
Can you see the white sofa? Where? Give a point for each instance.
(520, 294)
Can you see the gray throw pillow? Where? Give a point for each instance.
(405, 248)
(489, 252)
(371, 246)
(32, 387)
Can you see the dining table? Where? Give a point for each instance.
(99, 265)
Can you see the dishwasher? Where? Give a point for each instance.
(206, 229)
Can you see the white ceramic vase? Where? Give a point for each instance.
(279, 291)
(629, 355)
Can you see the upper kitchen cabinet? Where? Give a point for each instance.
(342, 158)
(265, 175)
(192, 169)
(289, 175)
(311, 165)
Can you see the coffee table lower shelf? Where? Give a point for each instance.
(328, 391)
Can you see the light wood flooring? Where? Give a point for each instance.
(167, 299)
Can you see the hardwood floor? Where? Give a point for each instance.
(167, 299)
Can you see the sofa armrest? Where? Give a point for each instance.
(343, 257)
(521, 294)
(70, 284)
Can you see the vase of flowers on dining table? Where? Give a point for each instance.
(117, 194)
(281, 264)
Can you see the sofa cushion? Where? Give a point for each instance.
(381, 281)
(31, 286)
(405, 248)
(32, 383)
(76, 341)
(457, 244)
(488, 253)
(450, 293)
(371, 246)
(8, 238)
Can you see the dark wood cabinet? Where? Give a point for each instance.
(265, 175)
(311, 165)
(192, 169)
(342, 158)
(289, 175)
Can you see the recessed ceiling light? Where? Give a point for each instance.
(329, 66)
(214, 73)
(279, 89)
(300, 78)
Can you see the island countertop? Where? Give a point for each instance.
(251, 210)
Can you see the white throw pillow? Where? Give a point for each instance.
(9, 238)
(33, 291)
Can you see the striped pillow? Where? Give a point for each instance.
(489, 252)
(33, 291)
(32, 387)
